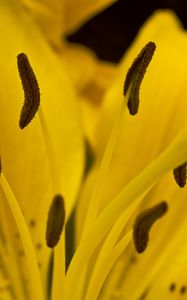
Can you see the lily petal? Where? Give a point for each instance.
(78, 12)
(24, 158)
(57, 18)
(162, 107)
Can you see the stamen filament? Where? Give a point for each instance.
(35, 280)
(59, 251)
(106, 266)
(167, 254)
(55, 175)
(174, 155)
(108, 245)
(134, 77)
(31, 106)
(12, 273)
(101, 176)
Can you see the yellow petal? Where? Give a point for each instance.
(80, 63)
(36, 288)
(161, 114)
(49, 16)
(162, 102)
(78, 12)
(91, 78)
(163, 237)
(173, 155)
(143, 134)
(24, 158)
(57, 18)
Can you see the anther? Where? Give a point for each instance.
(135, 76)
(55, 223)
(183, 289)
(172, 287)
(143, 224)
(31, 90)
(180, 175)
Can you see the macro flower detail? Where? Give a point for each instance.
(55, 221)
(48, 200)
(31, 90)
(143, 224)
(135, 76)
(180, 175)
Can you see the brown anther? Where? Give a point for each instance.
(172, 287)
(143, 224)
(180, 175)
(31, 90)
(55, 222)
(135, 76)
(183, 289)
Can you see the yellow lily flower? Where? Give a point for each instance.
(46, 160)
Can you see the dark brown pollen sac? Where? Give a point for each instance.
(180, 175)
(143, 224)
(55, 222)
(172, 287)
(31, 90)
(183, 290)
(135, 76)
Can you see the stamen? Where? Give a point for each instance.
(55, 223)
(31, 90)
(183, 289)
(172, 287)
(135, 76)
(180, 175)
(143, 224)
